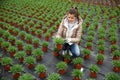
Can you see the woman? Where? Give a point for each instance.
(70, 29)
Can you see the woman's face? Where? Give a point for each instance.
(71, 18)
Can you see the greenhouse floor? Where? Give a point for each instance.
(21, 11)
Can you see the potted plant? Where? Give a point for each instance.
(101, 36)
(61, 67)
(93, 70)
(104, 25)
(10, 28)
(31, 23)
(0, 57)
(39, 33)
(96, 24)
(116, 55)
(112, 32)
(116, 64)
(15, 23)
(101, 49)
(19, 44)
(88, 45)
(44, 29)
(66, 58)
(38, 53)
(53, 76)
(5, 78)
(77, 74)
(101, 30)
(100, 42)
(36, 42)
(15, 31)
(30, 61)
(26, 28)
(6, 26)
(91, 33)
(45, 46)
(51, 31)
(6, 34)
(1, 41)
(78, 62)
(86, 53)
(114, 47)
(1, 32)
(100, 58)
(32, 30)
(6, 62)
(113, 39)
(46, 36)
(5, 45)
(21, 25)
(56, 52)
(59, 42)
(112, 76)
(28, 49)
(29, 38)
(58, 23)
(12, 40)
(12, 50)
(22, 35)
(89, 38)
(87, 21)
(37, 26)
(41, 70)
(26, 76)
(20, 55)
(16, 70)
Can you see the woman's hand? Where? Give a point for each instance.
(68, 40)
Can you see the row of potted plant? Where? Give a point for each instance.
(60, 66)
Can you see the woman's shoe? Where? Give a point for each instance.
(64, 52)
(70, 53)
(81, 69)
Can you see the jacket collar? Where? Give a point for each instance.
(66, 24)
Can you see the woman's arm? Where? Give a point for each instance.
(78, 35)
(60, 29)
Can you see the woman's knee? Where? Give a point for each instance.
(77, 53)
(75, 50)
